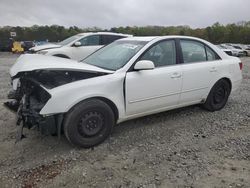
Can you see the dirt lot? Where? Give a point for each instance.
(188, 147)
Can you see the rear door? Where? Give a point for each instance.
(200, 70)
(153, 90)
(107, 39)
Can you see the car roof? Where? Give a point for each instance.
(146, 39)
(104, 33)
(150, 38)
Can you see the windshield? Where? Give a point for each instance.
(69, 40)
(115, 55)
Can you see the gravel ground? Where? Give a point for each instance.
(188, 147)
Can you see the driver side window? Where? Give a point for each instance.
(161, 54)
(93, 40)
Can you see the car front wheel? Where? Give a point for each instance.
(89, 123)
(218, 96)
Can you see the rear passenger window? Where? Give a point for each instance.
(161, 54)
(193, 51)
(211, 55)
(107, 39)
(93, 40)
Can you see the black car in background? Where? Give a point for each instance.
(27, 45)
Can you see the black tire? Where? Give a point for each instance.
(218, 96)
(245, 53)
(89, 123)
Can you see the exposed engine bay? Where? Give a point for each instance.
(31, 95)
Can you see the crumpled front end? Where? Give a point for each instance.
(33, 79)
(27, 101)
(31, 92)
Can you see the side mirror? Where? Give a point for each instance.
(77, 44)
(144, 65)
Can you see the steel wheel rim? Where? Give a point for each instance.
(220, 95)
(91, 124)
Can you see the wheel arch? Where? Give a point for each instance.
(228, 80)
(222, 78)
(109, 102)
(209, 105)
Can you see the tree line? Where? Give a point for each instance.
(217, 33)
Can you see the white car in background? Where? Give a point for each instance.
(130, 78)
(242, 47)
(78, 46)
(224, 49)
(236, 52)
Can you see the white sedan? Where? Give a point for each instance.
(130, 78)
(224, 49)
(79, 46)
(236, 52)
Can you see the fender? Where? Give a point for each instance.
(64, 97)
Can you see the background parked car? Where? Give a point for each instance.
(224, 49)
(245, 49)
(236, 52)
(26, 45)
(78, 46)
(39, 43)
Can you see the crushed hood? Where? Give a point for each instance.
(31, 62)
(45, 47)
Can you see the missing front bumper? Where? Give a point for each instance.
(28, 118)
(27, 101)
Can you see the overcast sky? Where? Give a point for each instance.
(113, 13)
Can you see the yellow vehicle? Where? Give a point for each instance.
(17, 47)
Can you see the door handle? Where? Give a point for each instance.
(213, 69)
(176, 75)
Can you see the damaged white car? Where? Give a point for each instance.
(129, 78)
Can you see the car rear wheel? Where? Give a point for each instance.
(218, 96)
(89, 123)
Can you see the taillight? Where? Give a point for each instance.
(241, 65)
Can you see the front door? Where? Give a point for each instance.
(152, 90)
